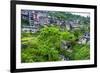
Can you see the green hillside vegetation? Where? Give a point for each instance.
(45, 45)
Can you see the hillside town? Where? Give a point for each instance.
(33, 20)
(36, 19)
(39, 18)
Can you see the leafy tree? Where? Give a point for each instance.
(81, 52)
(24, 22)
(46, 44)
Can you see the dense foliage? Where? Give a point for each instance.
(45, 45)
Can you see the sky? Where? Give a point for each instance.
(82, 14)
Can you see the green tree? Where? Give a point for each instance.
(81, 52)
(46, 45)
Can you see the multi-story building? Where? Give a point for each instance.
(35, 19)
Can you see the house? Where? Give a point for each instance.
(70, 25)
(65, 45)
(24, 14)
(85, 38)
(63, 58)
(28, 29)
(74, 24)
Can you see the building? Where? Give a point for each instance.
(74, 24)
(85, 38)
(31, 29)
(25, 14)
(35, 19)
(65, 45)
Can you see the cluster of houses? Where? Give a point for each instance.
(66, 45)
(37, 18)
(40, 18)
